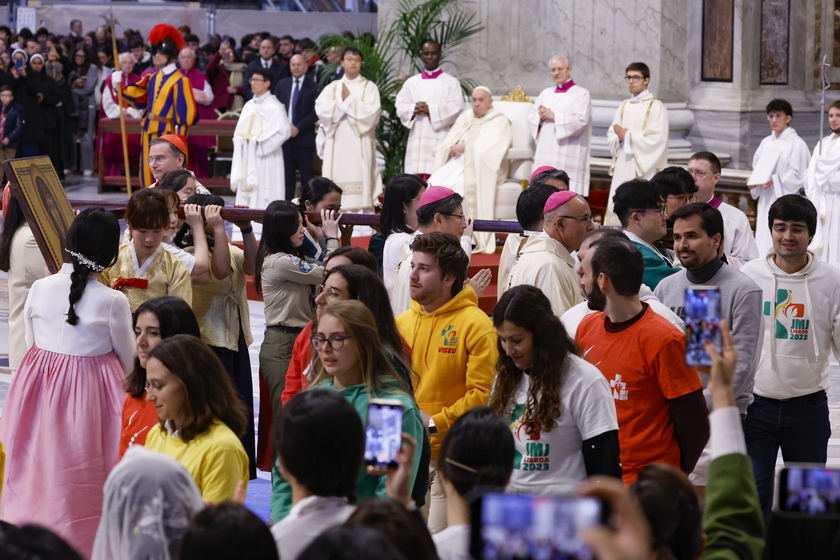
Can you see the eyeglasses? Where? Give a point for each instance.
(255, 79)
(794, 229)
(332, 293)
(586, 221)
(156, 159)
(634, 78)
(335, 341)
(683, 199)
(697, 174)
(462, 217)
(661, 210)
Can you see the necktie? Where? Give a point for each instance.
(265, 64)
(294, 101)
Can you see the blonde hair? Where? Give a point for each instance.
(378, 374)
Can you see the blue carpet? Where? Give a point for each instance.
(257, 498)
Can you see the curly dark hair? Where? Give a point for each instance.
(527, 307)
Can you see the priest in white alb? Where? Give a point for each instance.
(785, 156)
(348, 109)
(823, 188)
(638, 136)
(560, 123)
(256, 173)
(471, 161)
(427, 104)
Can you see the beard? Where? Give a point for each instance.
(835, 130)
(595, 299)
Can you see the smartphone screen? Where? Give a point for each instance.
(507, 526)
(383, 432)
(702, 323)
(18, 63)
(809, 491)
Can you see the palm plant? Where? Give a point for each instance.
(415, 22)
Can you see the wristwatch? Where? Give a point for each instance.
(432, 428)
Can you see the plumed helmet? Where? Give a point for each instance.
(166, 39)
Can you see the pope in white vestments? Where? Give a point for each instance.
(560, 123)
(471, 161)
(823, 188)
(428, 105)
(348, 109)
(791, 156)
(256, 172)
(638, 136)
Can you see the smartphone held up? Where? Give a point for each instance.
(702, 324)
(383, 433)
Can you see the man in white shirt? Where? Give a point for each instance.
(428, 104)
(823, 189)
(638, 136)
(788, 155)
(738, 242)
(801, 322)
(561, 124)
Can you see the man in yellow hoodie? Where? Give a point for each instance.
(453, 348)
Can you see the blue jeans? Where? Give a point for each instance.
(800, 426)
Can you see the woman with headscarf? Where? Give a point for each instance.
(149, 501)
(39, 95)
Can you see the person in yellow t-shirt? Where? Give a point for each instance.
(200, 415)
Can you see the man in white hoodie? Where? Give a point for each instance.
(802, 327)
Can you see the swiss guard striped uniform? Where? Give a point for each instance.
(171, 111)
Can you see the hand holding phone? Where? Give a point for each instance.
(809, 491)
(383, 434)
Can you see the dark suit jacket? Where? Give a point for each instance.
(279, 70)
(305, 118)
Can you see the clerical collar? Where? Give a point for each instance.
(431, 75)
(565, 87)
(169, 68)
(352, 80)
(261, 98)
(642, 96)
(715, 201)
(705, 273)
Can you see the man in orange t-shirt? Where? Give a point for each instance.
(662, 415)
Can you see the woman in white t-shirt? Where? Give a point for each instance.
(397, 224)
(476, 452)
(561, 412)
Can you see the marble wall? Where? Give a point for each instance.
(601, 37)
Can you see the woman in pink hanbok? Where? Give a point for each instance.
(61, 420)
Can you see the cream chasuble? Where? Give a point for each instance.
(257, 168)
(350, 151)
(487, 141)
(564, 142)
(644, 151)
(445, 99)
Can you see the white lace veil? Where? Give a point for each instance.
(149, 501)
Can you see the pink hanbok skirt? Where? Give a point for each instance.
(60, 428)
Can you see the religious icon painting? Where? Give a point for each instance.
(38, 190)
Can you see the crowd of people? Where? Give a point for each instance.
(128, 428)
